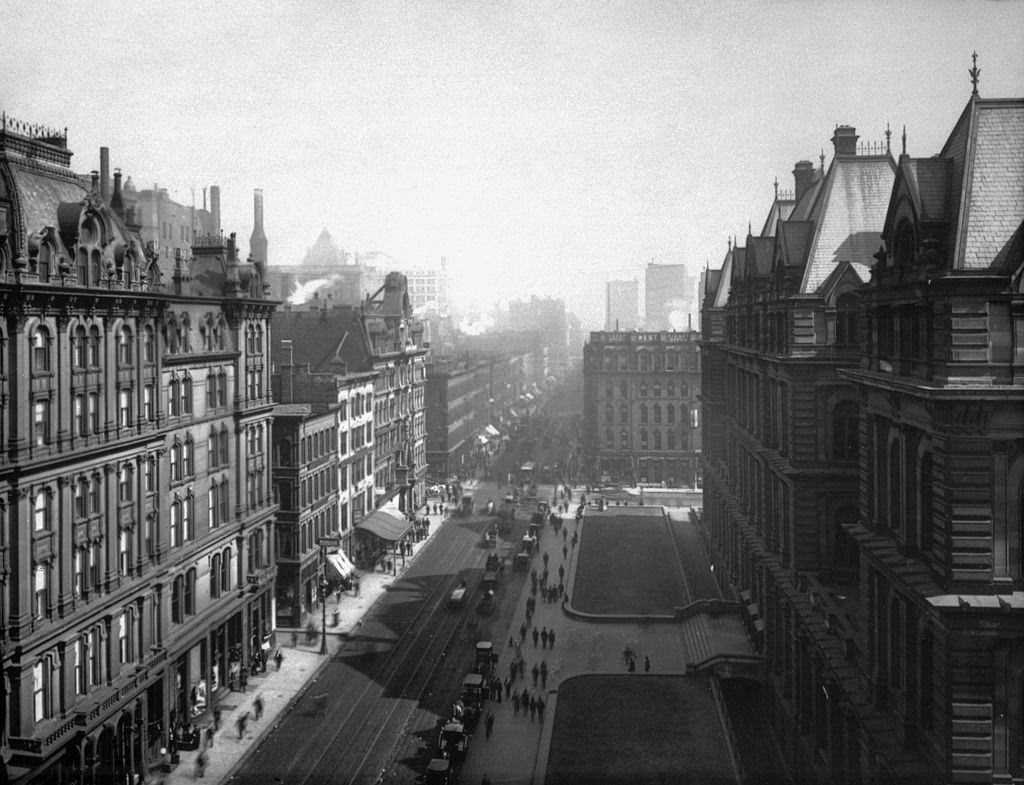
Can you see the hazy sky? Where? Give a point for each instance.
(541, 147)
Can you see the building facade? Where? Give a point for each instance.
(135, 494)
(640, 415)
(621, 306)
(428, 289)
(382, 338)
(863, 471)
(459, 409)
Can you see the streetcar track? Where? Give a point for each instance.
(412, 638)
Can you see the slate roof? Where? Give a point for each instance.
(849, 214)
(992, 197)
(780, 211)
(712, 280)
(40, 193)
(929, 177)
(722, 293)
(794, 238)
(759, 252)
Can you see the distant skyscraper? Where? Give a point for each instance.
(622, 305)
(668, 298)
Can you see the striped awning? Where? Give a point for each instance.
(388, 527)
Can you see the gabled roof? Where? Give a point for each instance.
(794, 239)
(928, 179)
(712, 279)
(781, 210)
(722, 293)
(849, 213)
(759, 255)
(320, 339)
(991, 195)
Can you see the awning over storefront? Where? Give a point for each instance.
(385, 525)
(339, 568)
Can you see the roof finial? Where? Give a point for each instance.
(904, 140)
(750, 230)
(776, 189)
(823, 160)
(888, 139)
(975, 72)
(730, 243)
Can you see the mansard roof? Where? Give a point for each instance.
(848, 213)
(794, 239)
(721, 297)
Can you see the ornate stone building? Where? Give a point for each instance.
(135, 501)
(864, 456)
(640, 412)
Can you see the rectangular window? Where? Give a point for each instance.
(150, 475)
(81, 666)
(94, 412)
(97, 575)
(123, 554)
(123, 648)
(41, 420)
(79, 578)
(96, 657)
(148, 398)
(225, 503)
(124, 408)
(125, 489)
(80, 416)
(41, 690)
(41, 589)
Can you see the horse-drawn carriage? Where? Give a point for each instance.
(485, 658)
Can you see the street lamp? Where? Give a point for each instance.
(323, 612)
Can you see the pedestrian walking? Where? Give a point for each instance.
(632, 665)
(522, 631)
(544, 674)
(216, 717)
(508, 687)
(525, 700)
(278, 657)
(241, 723)
(201, 760)
(209, 735)
(565, 552)
(565, 534)
(536, 635)
(561, 572)
(540, 708)
(647, 664)
(575, 539)
(544, 637)
(536, 673)
(533, 708)
(545, 559)
(515, 704)
(489, 723)
(257, 707)
(243, 677)
(551, 638)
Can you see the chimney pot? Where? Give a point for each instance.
(845, 140)
(104, 171)
(803, 178)
(95, 180)
(116, 200)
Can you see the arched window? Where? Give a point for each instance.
(895, 644)
(657, 390)
(125, 347)
(643, 389)
(657, 414)
(148, 344)
(225, 445)
(175, 538)
(173, 398)
(95, 268)
(643, 438)
(623, 413)
(609, 413)
(178, 599)
(41, 510)
(45, 688)
(845, 431)
(609, 438)
(657, 440)
(94, 347)
(623, 389)
(925, 491)
(670, 414)
(188, 457)
(643, 413)
(41, 349)
(624, 439)
(670, 440)
(80, 345)
(175, 462)
(190, 592)
(186, 395)
(225, 570)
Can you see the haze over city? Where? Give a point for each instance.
(541, 148)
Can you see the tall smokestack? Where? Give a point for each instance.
(215, 208)
(258, 241)
(104, 172)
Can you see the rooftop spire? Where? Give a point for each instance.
(888, 139)
(904, 140)
(975, 72)
(776, 189)
(823, 160)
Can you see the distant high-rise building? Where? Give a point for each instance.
(622, 305)
(668, 299)
(428, 288)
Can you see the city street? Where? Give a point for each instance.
(393, 679)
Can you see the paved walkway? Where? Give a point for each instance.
(280, 689)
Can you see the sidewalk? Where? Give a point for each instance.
(279, 689)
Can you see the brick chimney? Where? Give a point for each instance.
(803, 177)
(845, 140)
(104, 172)
(116, 199)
